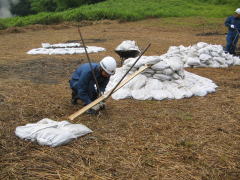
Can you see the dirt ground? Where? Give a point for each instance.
(189, 139)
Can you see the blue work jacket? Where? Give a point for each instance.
(232, 20)
(83, 83)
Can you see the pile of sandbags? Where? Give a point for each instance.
(165, 79)
(51, 133)
(203, 55)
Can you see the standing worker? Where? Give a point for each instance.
(233, 24)
(83, 83)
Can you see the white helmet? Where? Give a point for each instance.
(108, 64)
(237, 11)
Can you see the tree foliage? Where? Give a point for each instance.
(26, 7)
(23, 8)
(43, 5)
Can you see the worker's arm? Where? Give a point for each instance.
(228, 22)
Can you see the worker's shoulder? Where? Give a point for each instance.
(88, 65)
(86, 68)
(230, 17)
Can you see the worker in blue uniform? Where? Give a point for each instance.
(83, 83)
(233, 24)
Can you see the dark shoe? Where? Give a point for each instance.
(92, 112)
(74, 101)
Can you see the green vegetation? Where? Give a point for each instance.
(130, 10)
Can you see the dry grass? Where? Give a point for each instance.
(196, 138)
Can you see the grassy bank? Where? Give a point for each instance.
(128, 10)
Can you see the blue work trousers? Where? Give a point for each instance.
(232, 39)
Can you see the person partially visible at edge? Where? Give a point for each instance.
(233, 24)
(83, 84)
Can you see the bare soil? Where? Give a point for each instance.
(195, 138)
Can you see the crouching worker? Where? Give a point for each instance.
(83, 83)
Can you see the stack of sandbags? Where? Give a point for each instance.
(204, 55)
(165, 79)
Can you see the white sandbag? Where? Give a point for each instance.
(77, 129)
(30, 130)
(175, 63)
(201, 45)
(153, 84)
(148, 75)
(140, 94)
(175, 76)
(198, 91)
(54, 137)
(162, 77)
(127, 45)
(214, 64)
(160, 94)
(204, 51)
(160, 66)
(164, 94)
(149, 71)
(130, 61)
(168, 71)
(174, 90)
(220, 60)
(215, 54)
(122, 93)
(51, 133)
(193, 61)
(152, 59)
(236, 60)
(137, 82)
(204, 57)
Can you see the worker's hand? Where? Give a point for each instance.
(232, 26)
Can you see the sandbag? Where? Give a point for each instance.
(51, 133)
(160, 66)
(54, 137)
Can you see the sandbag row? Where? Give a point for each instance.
(203, 55)
(64, 48)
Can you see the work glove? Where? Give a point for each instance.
(232, 26)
